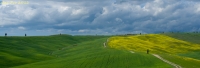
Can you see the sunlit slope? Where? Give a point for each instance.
(156, 43)
(23, 50)
(185, 62)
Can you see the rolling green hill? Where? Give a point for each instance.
(23, 50)
(92, 54)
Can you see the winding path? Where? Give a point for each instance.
(104, 44)
(173, 64)
(132, 52)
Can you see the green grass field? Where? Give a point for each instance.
(92, 54)
(16, 51)
(67, 51)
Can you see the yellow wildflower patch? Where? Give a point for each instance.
(154, 42)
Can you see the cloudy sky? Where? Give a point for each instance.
(47, 17)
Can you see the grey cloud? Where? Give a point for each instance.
(110, 16)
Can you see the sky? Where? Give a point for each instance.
(91, 17)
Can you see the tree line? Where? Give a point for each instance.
(7, 34)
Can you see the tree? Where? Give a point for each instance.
(5, 34)
(25, 34)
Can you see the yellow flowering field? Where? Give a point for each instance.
(156, 43)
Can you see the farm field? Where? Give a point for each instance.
(67, 51)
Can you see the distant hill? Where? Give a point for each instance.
(190, 37)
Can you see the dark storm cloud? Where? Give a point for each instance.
(104, 17)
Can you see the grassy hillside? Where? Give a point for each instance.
(23, 50)
(67, 51)
(176, 50)
(190, 37)
(92, 54)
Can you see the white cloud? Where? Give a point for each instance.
(118, 19)
(21, 28)
(77, 11)
(61, 9)
(82, 30)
